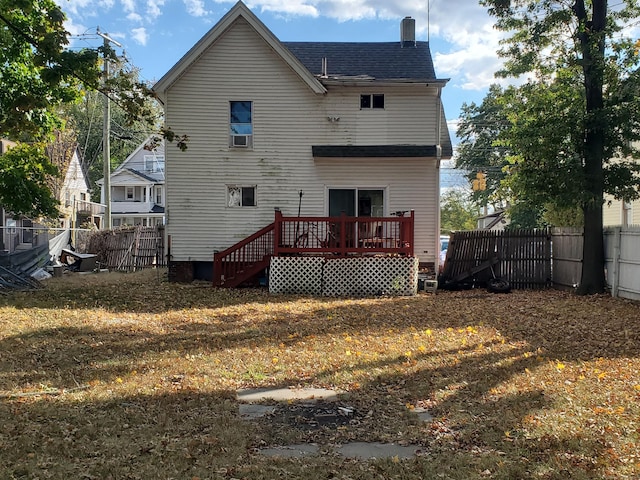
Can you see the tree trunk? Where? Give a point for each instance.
(592, 280)
(592, 43)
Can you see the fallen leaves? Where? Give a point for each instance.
(525, 375)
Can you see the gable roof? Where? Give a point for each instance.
(226, 22)
(159, 150)
(367, 61)
(130, 174)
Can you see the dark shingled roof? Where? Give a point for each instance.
(372, 151)
(382, 61)
(143, 175)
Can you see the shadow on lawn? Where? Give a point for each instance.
(193, 433)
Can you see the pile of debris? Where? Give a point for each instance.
(11, 279)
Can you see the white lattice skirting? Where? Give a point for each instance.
(354, 277)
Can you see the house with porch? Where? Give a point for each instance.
(138, 187)
(303, 147)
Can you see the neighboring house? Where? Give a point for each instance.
(138, 188)
(76, 208)
(620, 213)
(310, 127)
(497, 220)
(617, 212)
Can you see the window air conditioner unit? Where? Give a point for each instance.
(240, 140)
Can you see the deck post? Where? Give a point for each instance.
(277, 232)
(343, 234)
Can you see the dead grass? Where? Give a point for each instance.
(130, 377)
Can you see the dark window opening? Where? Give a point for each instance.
(375, 100)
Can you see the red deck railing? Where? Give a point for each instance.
(247, 258)
(336, 236)
(343, 235)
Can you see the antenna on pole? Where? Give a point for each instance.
(106, 131)
(428, 20)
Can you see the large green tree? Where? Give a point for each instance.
(39, 74)
(578, 111)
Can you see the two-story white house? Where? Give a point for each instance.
(138, 188)
(318, 128)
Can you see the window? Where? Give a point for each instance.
(129, 193)
(375, 100)
(238, 196)
(154, 163)
(240, 124)
(158, 195)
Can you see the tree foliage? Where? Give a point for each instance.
(572, 124)
(479, 130)
(25, 173)
(457, 211)
(39, 74)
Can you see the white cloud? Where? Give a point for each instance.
(134, 17)
(285, 7)
(196, 8)
(74, 6)
(140, 35)
(154, 8)
(129, 5)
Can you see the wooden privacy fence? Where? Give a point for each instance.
(522, 257)
(129, 248)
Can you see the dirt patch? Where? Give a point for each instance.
(315, 416)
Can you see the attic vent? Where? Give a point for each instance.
(408, 32)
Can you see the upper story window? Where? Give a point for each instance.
(154, 163)
(375, 100)
(241, 124)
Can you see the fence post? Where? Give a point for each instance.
(615, 280)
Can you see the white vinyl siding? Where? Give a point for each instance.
(288, 118)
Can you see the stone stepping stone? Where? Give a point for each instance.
(370, 451)
(291, 451)
(251, 411)
(253, 395)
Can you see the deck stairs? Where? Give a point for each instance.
(243, 262)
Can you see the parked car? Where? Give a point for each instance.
(444, 246)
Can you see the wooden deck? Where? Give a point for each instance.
(312, 236)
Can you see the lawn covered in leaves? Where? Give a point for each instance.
(126, 376)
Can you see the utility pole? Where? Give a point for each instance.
(106, 133)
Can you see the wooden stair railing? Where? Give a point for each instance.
(244, 260)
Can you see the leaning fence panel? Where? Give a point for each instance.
(130, 248)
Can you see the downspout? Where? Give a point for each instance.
(439, 127)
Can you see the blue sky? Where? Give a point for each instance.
(155, 34)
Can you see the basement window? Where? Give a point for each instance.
(241, 196)
(375, 100)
